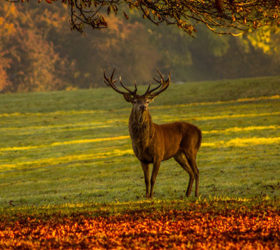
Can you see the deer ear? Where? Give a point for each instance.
(128, 97)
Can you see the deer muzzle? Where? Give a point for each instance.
(143, 108)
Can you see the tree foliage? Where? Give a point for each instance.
(28, 57)
(38, 51)
(220, 16)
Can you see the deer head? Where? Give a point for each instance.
(140, 102)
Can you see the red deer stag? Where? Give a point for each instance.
(153, 143)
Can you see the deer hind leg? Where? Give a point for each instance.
(183, 161)
(192, 162)
(154, 176)
(145, 168)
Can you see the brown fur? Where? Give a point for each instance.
(153, 143)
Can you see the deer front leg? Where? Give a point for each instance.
(154, 176)
(145, 168)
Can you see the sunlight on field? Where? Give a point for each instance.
(71, 112)
(76, 156)
(66, 143)
(61, 127)
(220, 117)
(236, 142)
(68, 158)
(88, 112)
(241, 142)
(241, 129)
(274, 97)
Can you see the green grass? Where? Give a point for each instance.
(48, 156)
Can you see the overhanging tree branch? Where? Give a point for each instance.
(220, 16)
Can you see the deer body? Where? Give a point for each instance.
(164, 141)
(153, 143)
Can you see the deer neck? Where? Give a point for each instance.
(141, 127)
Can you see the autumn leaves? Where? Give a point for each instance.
(199, 226)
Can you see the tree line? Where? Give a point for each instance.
(39, 51)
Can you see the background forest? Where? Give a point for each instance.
(39, 52)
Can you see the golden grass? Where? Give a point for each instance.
(62, 127)
(252, 99)
(254, 141)
(236, 142)
(217, 117)
(60, 112)
(67, 159)
(241, 129)
(78, 112)
(243, 142)
(65, 143)
(110, 123)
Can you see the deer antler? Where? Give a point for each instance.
(110, 82)
(163, 85)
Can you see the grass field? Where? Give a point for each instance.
(73, 147)
(69, 152)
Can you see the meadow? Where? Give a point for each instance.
(69, 152)
(73, 147)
